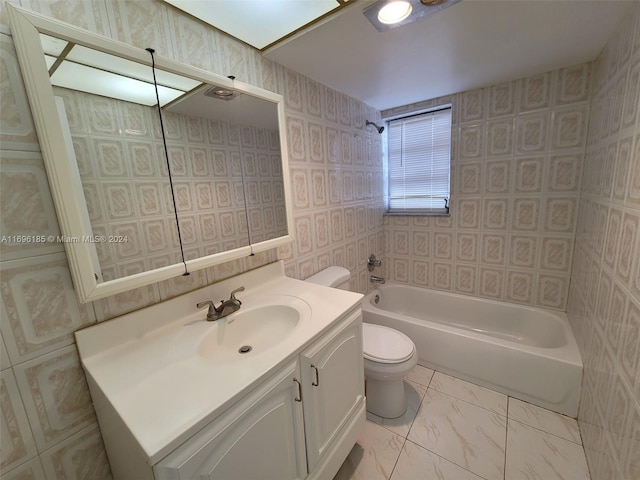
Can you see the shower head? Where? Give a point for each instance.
(380, 129)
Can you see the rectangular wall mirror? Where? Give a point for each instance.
(144, 194)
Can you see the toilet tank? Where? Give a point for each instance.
(336, 277)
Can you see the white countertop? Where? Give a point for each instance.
(146, 363)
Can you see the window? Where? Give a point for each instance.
(418, 161)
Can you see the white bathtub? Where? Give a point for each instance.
(527, 353)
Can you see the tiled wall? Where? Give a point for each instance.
(517, 157)
(48, 426)
(604, 297)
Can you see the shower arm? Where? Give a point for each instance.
(380, 129)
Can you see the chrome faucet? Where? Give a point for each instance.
(374, 279)
(225, 308)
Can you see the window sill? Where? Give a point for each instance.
(424, 213)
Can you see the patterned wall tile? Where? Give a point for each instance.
(39, 308)
(602, 310)
(29, 221)
(560, 213)
(569, 127)
(500, 137)
(472, 106)
(493, 249)
(442, 273)
(495, 213)
(491, 283)
(535, 92)
(520, 287)
(17, 442)
(466, 247)
(498, 176)
(32, 470)
(526, 214)
(573, 84)
(531, 132)
(523, 251)
(552, 291)
(564, 173)
(17, 131)
(503, 99)
(529, 174)
(56, 396)
(80, 456)
(465, 279)
(471, 141)
(556, 253)
(470, 178)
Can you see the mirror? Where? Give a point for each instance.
(135, 206)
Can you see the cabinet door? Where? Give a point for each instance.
(333, 384)
(260, 438)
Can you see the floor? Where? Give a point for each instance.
(455, 430)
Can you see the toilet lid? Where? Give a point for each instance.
(385, 345)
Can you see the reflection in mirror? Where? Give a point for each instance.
(234, 142)
(114, 128)
(102, 145)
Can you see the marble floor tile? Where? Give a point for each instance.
(416, 462)
(374, 455)
(465, 434)
(420, 374)
(543, 419)
(536, 455)
(479, 396)
(401, 425)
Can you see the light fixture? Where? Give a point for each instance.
(220, 92)
(388, 14)
(394, 12)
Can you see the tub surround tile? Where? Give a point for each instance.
(443, 426)
(417, 462)
(401, 425)
(545, 420)
(474, 394)
(374, 455)
(421, 375)
(536, 455)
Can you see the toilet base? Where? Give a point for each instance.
(386, 398)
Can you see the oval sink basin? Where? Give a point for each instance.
(249, 332)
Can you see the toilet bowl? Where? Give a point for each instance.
(388, 355)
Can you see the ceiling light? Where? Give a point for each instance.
(388, 14)
(394, 12)
(221, 93)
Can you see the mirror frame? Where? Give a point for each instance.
(55, 143)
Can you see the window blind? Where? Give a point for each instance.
(419, 157)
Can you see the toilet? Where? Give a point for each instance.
(388, 355)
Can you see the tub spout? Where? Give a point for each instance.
(374, 279)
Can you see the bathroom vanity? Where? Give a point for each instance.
(272, 391)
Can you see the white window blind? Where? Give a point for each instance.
(419, 157)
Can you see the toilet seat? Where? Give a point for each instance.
(385, 345)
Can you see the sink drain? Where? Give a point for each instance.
(245, 349)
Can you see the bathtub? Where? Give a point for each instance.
(527, 353)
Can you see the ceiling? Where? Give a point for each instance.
(471, 44)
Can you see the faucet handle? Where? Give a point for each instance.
(212, 307)
(233, 294)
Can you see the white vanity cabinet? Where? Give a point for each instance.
(335, 390)
(301, 422)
